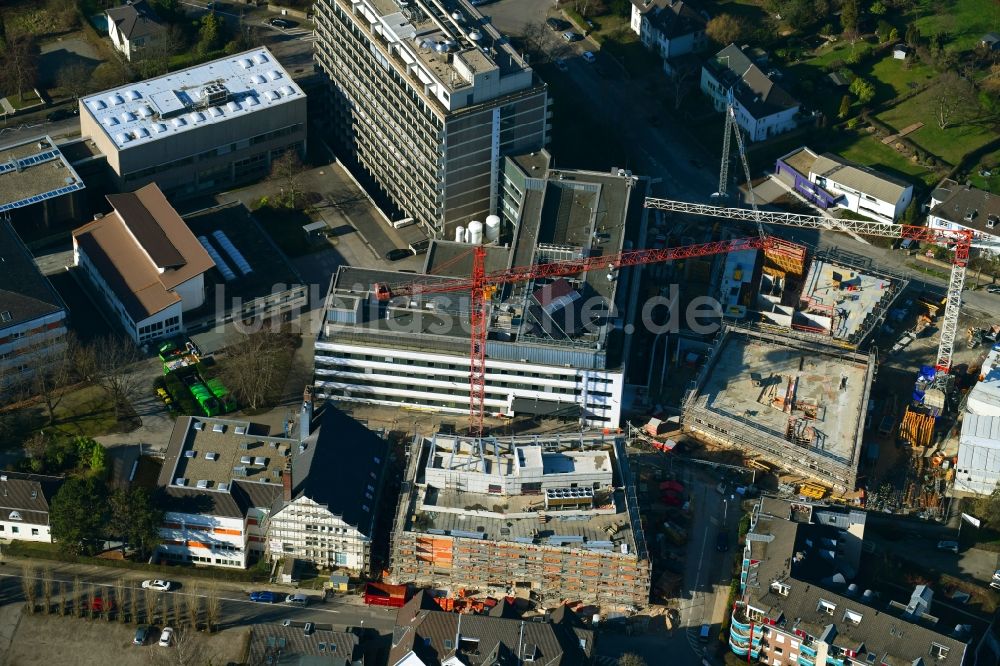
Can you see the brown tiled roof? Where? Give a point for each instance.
(132, 245)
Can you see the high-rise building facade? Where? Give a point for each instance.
(426, 98)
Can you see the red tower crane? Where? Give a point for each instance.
(482, 285)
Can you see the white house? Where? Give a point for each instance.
(134, 27)
(955, 207)
(763, 108)
(978, 467)
(830, 181)
(145, 263)
(24, 506)
(670, 28)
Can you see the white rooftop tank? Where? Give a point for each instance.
(492, 228)
(459, 234)
(474, 233)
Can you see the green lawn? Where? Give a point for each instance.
(83, 412)
(864, 149)
(989, 183)
(29, 99)
(950, 144)
(894, 78)
(964, 21)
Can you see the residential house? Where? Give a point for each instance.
(24, 506)
(954, 207)
(670, 28)
(798, 603)
(32, 315)
(134, 27)
(144, 262)
(829, 181)
(425, 635)
(990, 41)
(280, 644)
(330, 522)
(763, 108)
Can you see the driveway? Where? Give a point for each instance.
(63, 52)
(512, 17)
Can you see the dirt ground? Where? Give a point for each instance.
(52, 640)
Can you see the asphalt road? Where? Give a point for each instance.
(236, 608)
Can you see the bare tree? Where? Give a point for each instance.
(177, 610)
(212, 608)
(114, 373)
(74, 79)
(47, 591)
(78, 600)
(149, 603)
(61, 601)
(133, 604)
(252, 366)
(29, 586)
(53, 373)
(534, 38)
(193, 603)
(286, 171)
(20, 58)
(953, 99)
(91, 602)
(681, 82)
(120, 599)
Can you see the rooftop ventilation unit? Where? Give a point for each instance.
(245, 460)
(202, 483)
(211, 455)
(991, 221)
(239, 471)
(240, 430)
(223, 486)
(199, 425)
(214, 94)
(189, 454)
(260, 461)
(180, 481)
(219, 427)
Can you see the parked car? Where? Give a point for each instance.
(948, 545)
(571, 36)
(298, 599)
(283, 24)
(166, 636)
(722, 542)
(99, 605)
(61, 114)
(703, 634)
(398, 253)
(588, 56)
(164, 396)
(995, 584)
(264, 597)
(993, 289)
(996, 575)
(561, 65)
(141, 635)
(556, 24)
(161, 585)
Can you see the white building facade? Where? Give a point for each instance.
(309, 531)
(669, 28)
(955, 207)
(978, 468)
(24, 506)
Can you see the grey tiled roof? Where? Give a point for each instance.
(27, 494)
(486, 640)
(959, 201)
(752, 88)
(24, 292)
(136, 20)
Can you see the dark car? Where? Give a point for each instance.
(722, 542)
(141, 635)
(281, 23)
(398, 253)
(556, 24)
(264, 597)
(61, 114)
(570, 36)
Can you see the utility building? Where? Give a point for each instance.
(426, 98)
(556, 348)
(548, 518)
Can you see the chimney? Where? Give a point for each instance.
(286, 482)
(305, 416)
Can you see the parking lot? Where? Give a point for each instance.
(47, 640)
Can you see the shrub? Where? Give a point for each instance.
(852, 123)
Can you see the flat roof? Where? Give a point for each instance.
(750, 377)
(25, 294)
(213, 92)
(862, 178)
(850, 294)
(33, 171)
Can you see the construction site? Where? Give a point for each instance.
(541, 518)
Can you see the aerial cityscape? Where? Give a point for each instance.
(500, 332)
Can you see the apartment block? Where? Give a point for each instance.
(426, 98)
(555, 347)
(32, 314)
(799, 604)
(548, 518)
(39, 188)
(201, 129)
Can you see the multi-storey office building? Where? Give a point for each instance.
(549, 518)
(555, 347)
(426, 98)
(198, 129)
(799, 606)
